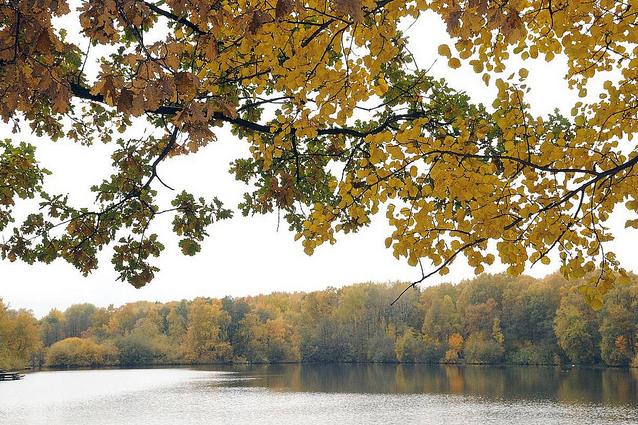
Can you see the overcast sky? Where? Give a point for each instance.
(247, 256)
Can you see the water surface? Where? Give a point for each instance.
(324, 394)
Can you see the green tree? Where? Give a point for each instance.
(381, 347)
(529, 307)
(237, 310)
(441, 316)
(53, 327)
(481, 349)
(137, 349)
(618, 326)
(576, 329)
(78, 319)
(409, 347)
(176, 325)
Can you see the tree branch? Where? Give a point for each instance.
(173, 17)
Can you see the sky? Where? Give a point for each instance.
(249, 255)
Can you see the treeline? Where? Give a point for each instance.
(491, 319)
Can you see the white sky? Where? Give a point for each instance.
(247, 256)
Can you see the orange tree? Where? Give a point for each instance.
(340, 122)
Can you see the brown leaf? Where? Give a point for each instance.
(283, 8)
(43, 44)
(210, 47)
(137, 106)
(512, 23)
(453, 21)
(167, 89)
(186, 84)
(106, 86)
(226, 107)
(257, 20)
(349, 7)
(479, 5)
(153, 96)
(62, 99)
(125, 101)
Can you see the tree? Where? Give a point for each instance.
(25, 337)
(281, 341)
(481, 349)
(53, 327)
(19, 338)
(78, 319)
(441, 317)
(381, 347)
(136, 349)
(204, 342)
(339, 121)
(454, 348)
(534, 321)
(176, 324)
(100, 322)
(237, 310)
(322, 339)
(529, 307)
(409, 348)
(576, 330)
(618, 327)
(124, 320)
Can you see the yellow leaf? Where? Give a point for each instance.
(444, 50)
(454, 63)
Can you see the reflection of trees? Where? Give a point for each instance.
(495, 383)
(532, 382)
(485, 381)
(582, 385)
(619, 386)
(455, 380)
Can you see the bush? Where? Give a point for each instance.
(433, 351)
(137, 350)
(381, 348)
(615, 350)
(533, 355)
(482, 350)
(78, 352)
(409, 348)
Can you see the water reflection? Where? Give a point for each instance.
(578, 385)
(323, 394)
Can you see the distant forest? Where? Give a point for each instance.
(491, 319)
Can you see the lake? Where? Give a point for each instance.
(324, 394)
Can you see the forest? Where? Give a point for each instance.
(491, 319)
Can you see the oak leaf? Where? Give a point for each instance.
(349, 7)
(284, 8)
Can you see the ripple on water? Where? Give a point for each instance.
(282, 396)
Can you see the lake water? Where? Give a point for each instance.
(324, 394)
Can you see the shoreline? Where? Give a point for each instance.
(354, 364)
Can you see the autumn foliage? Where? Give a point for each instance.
(492, 319)
(340, 121)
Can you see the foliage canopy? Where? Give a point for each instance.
(340, 121)
(491, 319)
